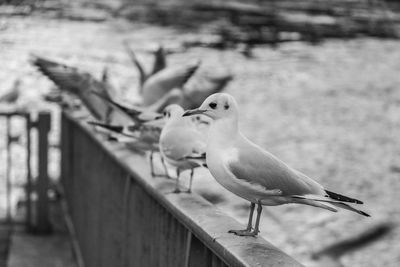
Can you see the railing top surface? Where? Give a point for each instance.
(202, 218)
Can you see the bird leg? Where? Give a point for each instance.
(247, 231)
(177, 190)
(190, 181)
(165, 167)
(153, 173)
(151, 164)
(259, 210)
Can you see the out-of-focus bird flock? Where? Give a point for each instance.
(155, 122)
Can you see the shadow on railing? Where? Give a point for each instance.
(123, 217)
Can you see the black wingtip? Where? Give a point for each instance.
(364, 213)
(339, 197)
(114, 128)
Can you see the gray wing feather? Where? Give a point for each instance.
(263, 169)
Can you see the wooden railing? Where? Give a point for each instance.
(121, 216)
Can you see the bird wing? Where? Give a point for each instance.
(202, 86)
(260, 168)
(160, 60)
(166, 80)
(74, 81)
(142, 74)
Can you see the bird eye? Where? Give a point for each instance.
(213, 105)
(164, 114)
(226, 106)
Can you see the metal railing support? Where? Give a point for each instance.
(8, 170)
(28, 188)
(42, 223)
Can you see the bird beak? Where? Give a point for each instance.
(159, 117)
(194, 112)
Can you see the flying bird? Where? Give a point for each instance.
(73, 81)
(160, 62)
(253, 173)
(203, 85)
(165, 80)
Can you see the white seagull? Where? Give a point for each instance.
(182, 145)
(165, 80)
(254, 174)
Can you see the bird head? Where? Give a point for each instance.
(173, 111)
(216, 106)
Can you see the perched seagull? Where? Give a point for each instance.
(254, 174)
(13, 94)
(182, 145)
(160, 62)
(165, 80)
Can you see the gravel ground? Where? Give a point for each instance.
(331, 111)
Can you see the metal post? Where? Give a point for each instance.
(194, 252)
(28, 189)
(8, 170)
(43, 225)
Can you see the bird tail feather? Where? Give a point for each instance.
(337, 203)
(113, 128)
(342, 198)
(317, 204)
(348, 207)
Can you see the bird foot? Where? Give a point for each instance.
(189, 191)
(156, 175)
(244, 232)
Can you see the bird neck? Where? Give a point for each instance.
(176, 122)
(223, 132)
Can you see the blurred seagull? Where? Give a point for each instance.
(195, 91)
(182, 145)
(203, 85)
(160, 62)
(254, 174)
(13, 94)
(138, 115)
(79, 83)
(165, 80)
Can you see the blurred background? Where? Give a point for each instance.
(317, 82)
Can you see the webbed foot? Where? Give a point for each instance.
(244, 232)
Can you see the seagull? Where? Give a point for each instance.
(138, 115)
(73, 81)
(160, 62)
(253, 173)
(165, 80)
(182, 145)
(203, 85)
